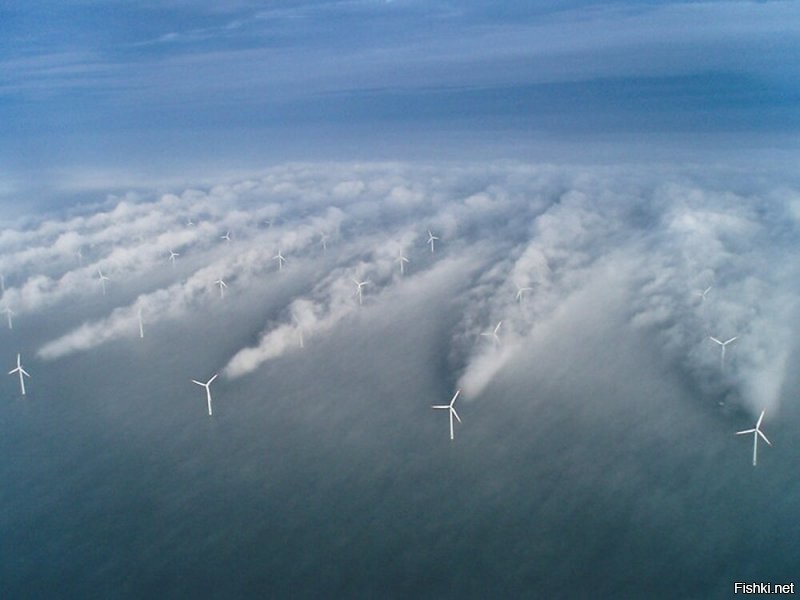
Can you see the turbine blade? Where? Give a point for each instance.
(745, 431)
(453, 399)
(760, 418)
(198, 382)
(763, 437)
(713, 339)
(455, 414)
(213, 378)
(440, 406)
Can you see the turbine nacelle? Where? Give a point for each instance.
(19, 369)
(431, 239)
(207, 385)
(493, 334)
(222, 285)
(402, 260)
(103, 280)
(452, 410)
(359, 287)
(756, 431)
(723, 346)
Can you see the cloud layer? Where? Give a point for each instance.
(526, 246)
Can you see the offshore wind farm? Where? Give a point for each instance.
(351, 219)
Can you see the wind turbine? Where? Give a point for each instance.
(141, 324)
(359, 285)
(431, 238)
(451, 407)
(323, 241)
(103, 280)
(280, 258)
(189, 222)
(9, 313)
(207, 385)
(226, 237)
(703, 293)
(521, 293)
(493, 334)
(402, 260)
(756, 432)
(222, 285)
(21, 372)
(172, 256)
(723, 345)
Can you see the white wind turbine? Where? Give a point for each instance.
(431, 239)
(222, 285)
(21, 372)
(9, 313)
(226, 237)
(493, 334)
(359, 286)
(299, 330)
(521, 293)
(172, 256)
(281, 259)
(207, 385)
(756, 431)
(723, 345)
(141, 323)
(450, 407)
(323, 241)
(402, 260)
(703, 293)
(103, 280)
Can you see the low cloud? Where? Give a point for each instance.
(538, 238)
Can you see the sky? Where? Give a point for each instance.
(94, 94)
(551, 209)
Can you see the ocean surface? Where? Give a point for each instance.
(325, 474)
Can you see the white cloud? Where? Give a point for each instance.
(657, 236)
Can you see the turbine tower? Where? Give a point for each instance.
(431, 238)
(141, 324)
(21, 372)
(450, 407)
(359, 286)
(723, 345)
(103, 280)
(207, 385)
(222, 285)
(280, 258)
(402, 260)
(756, 432)
(172, 256)
(493, 334)
(9, 313)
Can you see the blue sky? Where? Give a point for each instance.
(95, 92)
